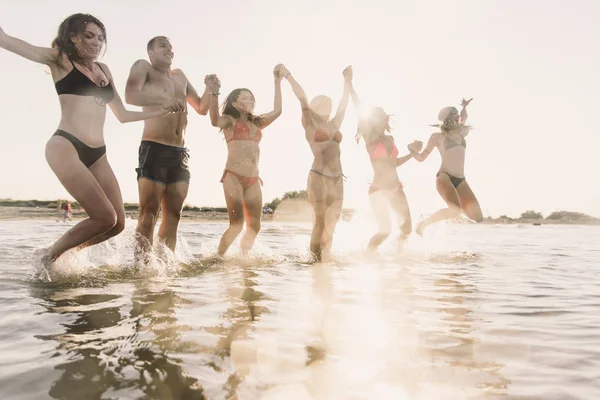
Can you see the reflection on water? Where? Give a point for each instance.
(127, 344)
(306, 331)
(110, 347)
(448, 325)
(454, 349)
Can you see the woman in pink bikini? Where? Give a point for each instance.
(450, 179)
(241, 182)
(386, 189)
(325, 186)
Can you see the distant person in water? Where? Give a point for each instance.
(76, 152)
(241, 181)
(325, 187)
(67, 210)
(59, 209)
(450, 179)
(162, 173)
(386, 191)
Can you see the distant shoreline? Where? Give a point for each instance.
(499, 221)
(13, 213)
(26, 213)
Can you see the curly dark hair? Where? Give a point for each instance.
(229, 109)
(74, 25)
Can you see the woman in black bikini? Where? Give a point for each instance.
(450, 182)
(76, 153)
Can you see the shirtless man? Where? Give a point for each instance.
(162, 173)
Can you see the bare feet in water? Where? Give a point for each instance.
(43, 263)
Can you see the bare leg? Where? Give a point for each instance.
(382, 215)
(317, 198)
(448, 193)
(84, 187)
(234, 193)
(108, 181)
(172, 203)
(469, 202)
(335, 200)
(150, 193)
(399, 204)
(253, 209)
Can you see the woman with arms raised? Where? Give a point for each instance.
(325, 187)
(450, 179)
(241, 181)
(76, 152)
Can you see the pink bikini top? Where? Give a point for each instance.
(242, 132)
(321, 135)
(381, 152)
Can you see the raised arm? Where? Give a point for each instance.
(200, 104)
(300, 94)
(268, 118)
(296, 88)
(363, 123)
(216, 119)
(341, 110)
(431, 144)
(355, 100)
(463, 113)
(42, 55)
(135, 83)
(124, 115)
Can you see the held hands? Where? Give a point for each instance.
(465, 103)
(213, 83)
(278, 73)
(415, 146)
(175, 106)
(348, 74)
(283, 71)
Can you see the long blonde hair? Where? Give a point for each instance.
(360, 133)
(447, 125)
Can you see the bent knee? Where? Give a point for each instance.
(383, 234)
(106, 221)
(236, 226)
(120, 225)
(149, 212)
(406, 227)
(474, 214)
(174, 215)
(254, 225)
(477, 218)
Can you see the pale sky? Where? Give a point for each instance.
(531, 65)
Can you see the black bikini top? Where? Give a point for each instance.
(449, 143)
(78, 84)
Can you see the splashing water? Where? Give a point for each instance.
(462, 313)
